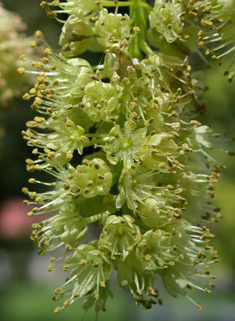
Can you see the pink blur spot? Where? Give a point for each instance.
(14, 221)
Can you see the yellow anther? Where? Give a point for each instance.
(21, 70)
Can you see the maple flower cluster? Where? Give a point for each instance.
(123, 149)
(13, 44)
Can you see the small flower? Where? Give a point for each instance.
(59, 83)
(90, 272)
(99, 101)
(152, 211)
(154, 249)
(135, 184)
(76, 36)
(112, 29)
(66, 137)
(93, 178)
(74, 6)
(128, 145)
(119, 236)
(166, 18)
(66, 227)
(141, 285)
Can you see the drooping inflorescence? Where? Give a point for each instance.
(123, 148)
(13, 51)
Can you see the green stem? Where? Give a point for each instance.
(146, 6)
(125, 4)
(96, 135)
(138, 17)
(98, 67)
(95, 218)
(146, 48)
(94, 31)
(120, 4)
(96, 141)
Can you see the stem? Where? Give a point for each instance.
(96, 135)
(94, 31)
(94, 218)
(138, 16)
(120, 3)
(146, 48)
(99, 67)
(96, 141)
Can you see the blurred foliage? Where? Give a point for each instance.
(23, 298)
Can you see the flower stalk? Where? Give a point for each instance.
(138, 15)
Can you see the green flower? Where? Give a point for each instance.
(90, 272)
(76, 36)
(72, 7)
(154, 249)
(135, 184)
(152, 211)
(66, 227)
(140, 283)
(60, 82)
(66, 137)
(112, 29)
(99, 101)
(119, 236)
(128, 145)
(93, 178)
(166, 18)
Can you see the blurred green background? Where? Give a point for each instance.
(26, 288)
